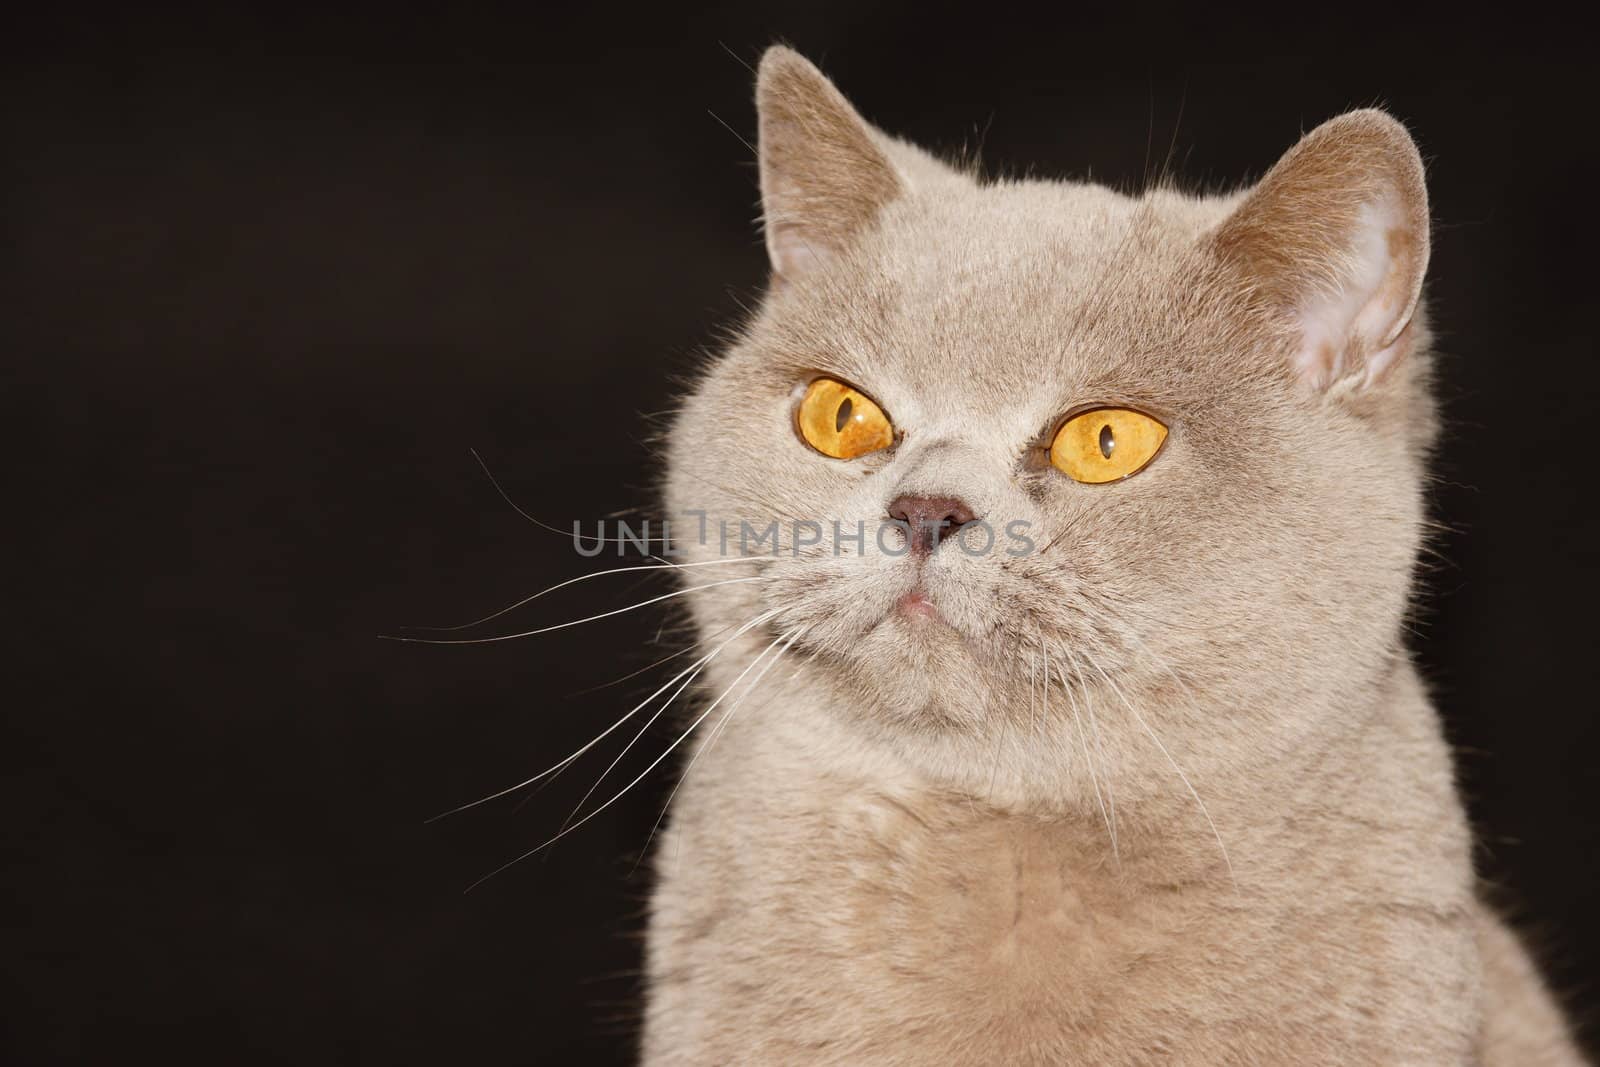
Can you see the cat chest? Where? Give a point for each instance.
(1020, 915)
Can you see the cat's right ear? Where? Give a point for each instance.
(1335, 240)
(824, 174)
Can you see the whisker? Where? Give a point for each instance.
(1189, 785)
(712, 636)
(646, 729)
(693, 667)
(583, 578)
(1033, 683)
(625, 789)
(711, 739)
(1130, 633)
(651, 721)
(574, 622)
(1107, 810)
(999, 744)
(546, 526)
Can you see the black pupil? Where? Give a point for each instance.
(1107, 441)
(843, 417)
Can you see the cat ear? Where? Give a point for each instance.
(1335, 238)
(824, 173)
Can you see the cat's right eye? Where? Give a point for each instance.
(1106, 445)
(839, 420)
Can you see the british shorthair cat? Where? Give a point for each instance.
(1068, 720)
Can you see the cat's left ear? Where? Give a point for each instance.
(825, 174)
(1335, 238)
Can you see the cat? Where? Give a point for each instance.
(1166, 788)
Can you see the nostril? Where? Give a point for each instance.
(929, 519)
(959, 514)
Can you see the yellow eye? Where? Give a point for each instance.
(1106, 445)
(839, 421)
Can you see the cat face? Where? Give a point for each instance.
(1236, 588)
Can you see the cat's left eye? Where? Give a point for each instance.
(838, 420)
(1106, 445)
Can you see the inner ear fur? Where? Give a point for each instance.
(1335, 239)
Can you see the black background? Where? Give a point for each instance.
(269, 278)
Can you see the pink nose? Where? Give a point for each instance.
(931, 519)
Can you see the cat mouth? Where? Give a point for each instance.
(917, 608)
(916, 615)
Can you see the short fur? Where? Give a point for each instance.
(1169, 789)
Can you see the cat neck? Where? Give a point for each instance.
(1226, 816)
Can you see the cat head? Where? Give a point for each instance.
(1229, 574)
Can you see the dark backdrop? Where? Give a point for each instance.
(269, 278)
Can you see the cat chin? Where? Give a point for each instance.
(916, 668)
